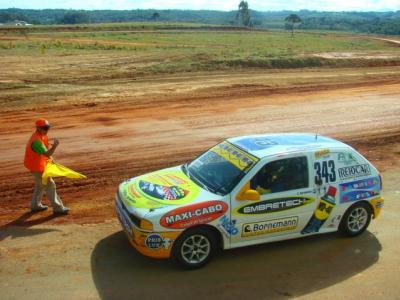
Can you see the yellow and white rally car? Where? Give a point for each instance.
(249, 190)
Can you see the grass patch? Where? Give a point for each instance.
(180, 47)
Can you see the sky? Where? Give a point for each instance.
(224, 5)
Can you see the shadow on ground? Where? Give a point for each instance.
(274, 271)
(20, 227)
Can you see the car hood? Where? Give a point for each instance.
(168, 187)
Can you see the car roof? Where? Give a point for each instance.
(263, 145)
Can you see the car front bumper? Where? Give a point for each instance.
(152, 244)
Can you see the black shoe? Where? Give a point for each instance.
(39, 208)
(63, 211)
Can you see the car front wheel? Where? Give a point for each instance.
(356, 219)
(194, 248)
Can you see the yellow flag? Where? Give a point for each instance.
(56, 170)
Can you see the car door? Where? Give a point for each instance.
(328, 166)
(286, 203)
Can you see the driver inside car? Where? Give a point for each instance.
(268, 179)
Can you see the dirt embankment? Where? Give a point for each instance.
(391, 41)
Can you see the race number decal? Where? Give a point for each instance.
(325, 170)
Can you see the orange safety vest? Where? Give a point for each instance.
(33, 161)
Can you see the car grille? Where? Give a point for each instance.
(135, 220)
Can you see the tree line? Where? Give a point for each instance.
(369, 22)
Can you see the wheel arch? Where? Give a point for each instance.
(214, 230)
(343, 226)
(363, 202)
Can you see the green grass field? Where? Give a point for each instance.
(178, 47)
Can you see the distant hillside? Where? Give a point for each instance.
(369, 22)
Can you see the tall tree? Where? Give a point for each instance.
(156, 16)
(75, 17)
(6, 17)
(243, 14)
(291, 20)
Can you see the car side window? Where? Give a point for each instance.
(281, 175)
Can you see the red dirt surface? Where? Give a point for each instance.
(112, 141)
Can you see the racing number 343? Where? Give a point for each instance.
(325, 170)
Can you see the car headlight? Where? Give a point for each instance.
(146, 224)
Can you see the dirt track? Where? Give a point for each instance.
(96, 262)
(113, 141)
(148, 124)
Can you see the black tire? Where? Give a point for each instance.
(194, 248)
(356, 219)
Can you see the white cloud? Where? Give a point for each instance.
(184, 4)
(264, 5)
(336, 5)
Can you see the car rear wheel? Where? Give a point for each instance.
(194, 248)
(356, 219)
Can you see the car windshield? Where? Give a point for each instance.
(220, 168)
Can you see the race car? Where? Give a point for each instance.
(249, 190)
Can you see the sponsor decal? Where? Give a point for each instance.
(156, 241)
(194, 214)
(270, 226)
(254, 144)
(326, 204)
(162, 192)
(274, 205)
(165, 187)
(335, 221)
(346, 158)
(305, 192)
(359, 190)
(323, 152)
(228, 226)
(354, 171)
(132, 191)
(264, 142)
(239, 158)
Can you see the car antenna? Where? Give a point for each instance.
(316, 136)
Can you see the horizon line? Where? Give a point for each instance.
(166, 9)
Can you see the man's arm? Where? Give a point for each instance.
(39, 148)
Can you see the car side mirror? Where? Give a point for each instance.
(252, 195)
